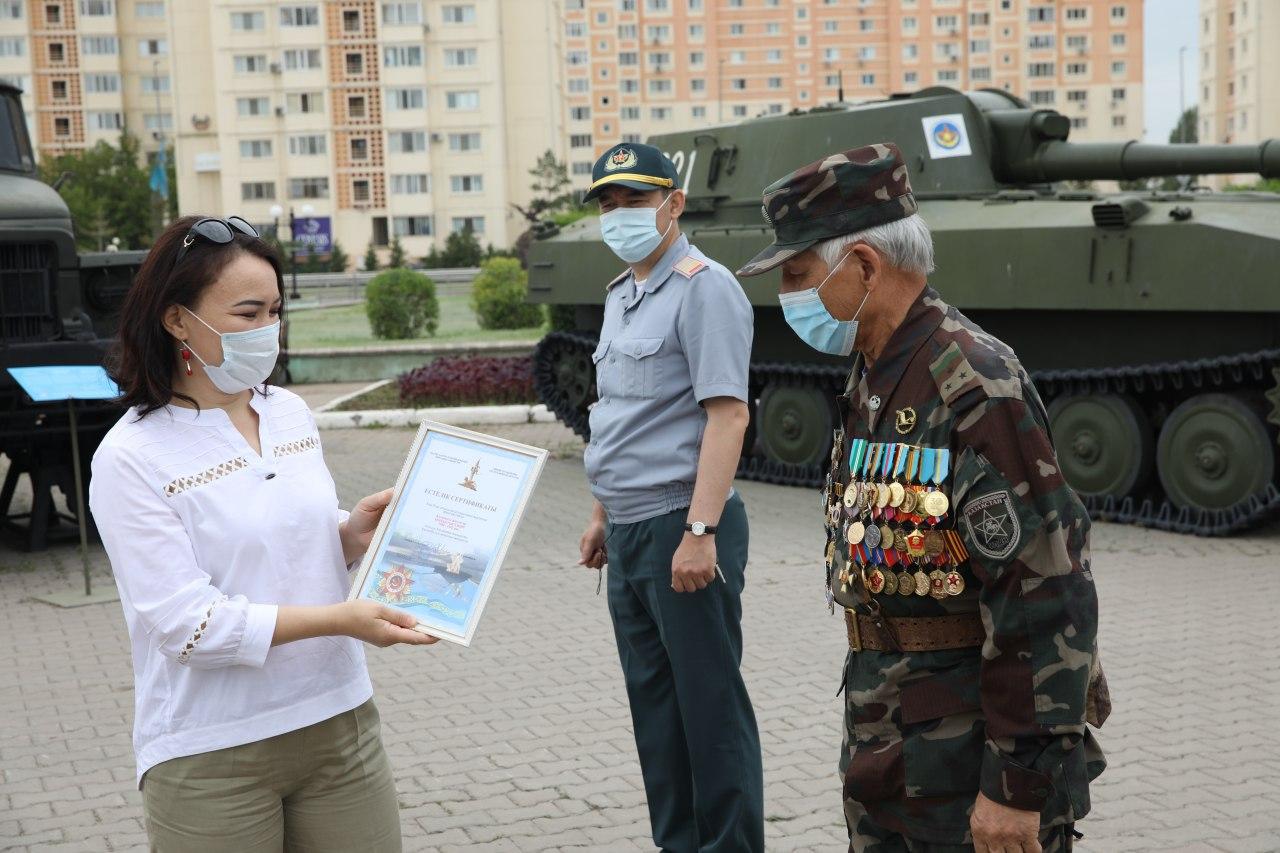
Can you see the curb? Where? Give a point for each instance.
(455, 416)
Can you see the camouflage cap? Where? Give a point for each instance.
(840, 194)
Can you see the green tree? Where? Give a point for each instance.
(1263, 185)
(370, 258)
(461, 249)
(397, 259)
(1186, 130)
(109, 193)
(550, 189)
(338, 259)
(498, 296)
(401, 303)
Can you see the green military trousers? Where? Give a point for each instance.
(681, 654)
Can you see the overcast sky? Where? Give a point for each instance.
(1169, 24)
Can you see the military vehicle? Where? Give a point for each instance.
(1150, 320)
(56, 307)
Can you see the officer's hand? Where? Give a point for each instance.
(591, 547)
(1003, 829)
(694, 565)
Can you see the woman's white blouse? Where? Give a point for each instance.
(206, 537)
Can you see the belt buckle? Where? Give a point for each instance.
(855, 631)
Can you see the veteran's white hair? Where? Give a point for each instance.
(905, 243)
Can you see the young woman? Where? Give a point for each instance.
(254, 725)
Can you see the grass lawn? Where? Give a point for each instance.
(347, 326)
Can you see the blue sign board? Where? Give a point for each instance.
(313, 234)
(65, 382)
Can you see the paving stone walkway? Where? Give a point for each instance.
(523, 741)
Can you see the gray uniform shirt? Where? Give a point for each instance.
(685, 338)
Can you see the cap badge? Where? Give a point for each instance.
(946, 134)
(623, 158)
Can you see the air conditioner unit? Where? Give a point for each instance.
(279, 112)
(275, 68)
(435, 137)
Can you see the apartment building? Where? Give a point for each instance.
(638, 67)
(1239, 98)
(88, 69)
(409, 119)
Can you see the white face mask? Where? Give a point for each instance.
(632, 232)
(247, 357)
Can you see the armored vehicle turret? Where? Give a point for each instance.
(1149, 320)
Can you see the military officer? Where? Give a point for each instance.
(958, 554)
(666, 435)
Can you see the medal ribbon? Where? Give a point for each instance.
(944, 465)
(888, 461)
(913, 464)
(928, 461)
(868, 460)
(900, 461)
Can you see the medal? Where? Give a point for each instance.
(875, 581)
(909, 501)
(937, 584)
(870, 534)
(955, 582)
(855, 532)
(850, 497)
(896, 494)
(915, 543)
(906, 584)
(900, 540)
(882, 495)
(921, 582)
(886, 536)
(936, 504)
(890, 583)
(934, 543)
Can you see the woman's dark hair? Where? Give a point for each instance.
(142, 361)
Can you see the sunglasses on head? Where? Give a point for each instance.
(221, 231)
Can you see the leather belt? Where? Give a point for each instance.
(914, 634)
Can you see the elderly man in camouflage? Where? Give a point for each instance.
(959, 554)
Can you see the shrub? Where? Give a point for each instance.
(564, 318)
(498, 293)
(401, 304)
(473, 381)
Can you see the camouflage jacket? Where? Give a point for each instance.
(925, 731)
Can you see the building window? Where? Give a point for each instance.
(463, 13)
(253, 149)
(979, 19)
(580, 140)
(1040, 42)
(583, 167)
(152, 85)
(699, 112)
(580, 113)
(11, 10)
(1119, 40)
(629, 87)
(1118, 94)
(628, 58)
(257, 191)
(58, 89)
(697, 58)
(302, 59)
(579, 85)
(660, 113)
(101, 83)
(1077, 43)
(1117, 121)
(355, 106)
(867, 79)
(1078, 13)
(910, 51)
(980, 74)
(464, 100)
(773, 56)
(105, 120)
(1039, 14)
(1040, 69)
(1079, 122)
(740, 110)
(1077, 69)
(305, 102)
(359, 148)
(466, 183)
(1118, 68)
(308, 145)
(466, 141)
(57, 51)
(866, 25)
(413, 98)
(360, 189)
(460, 57)
(98, 45)
(53, 17)
(1120, 13)
(351, 20)
(1077, 96)
(355, 63)
(396, 14)
(250, 106)
(255, 63)
(630, 114)
(402, 56)
(300, 16)
(407, 141)
(411, 226)
(698, 85)
(248, 21)
(738, 84)
(909, 78)
(909, 25)
(410, 184)
(474, 224)
(14, 46)
(1042, 97)
(308, 188)
(97, 8)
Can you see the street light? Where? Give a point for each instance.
(276, 212)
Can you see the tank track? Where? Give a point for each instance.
(1249, 371)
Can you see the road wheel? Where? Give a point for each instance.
(1214, 451)
(794, 424)
(1104, 443)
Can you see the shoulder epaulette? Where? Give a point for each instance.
(620, 277)
(689, 266)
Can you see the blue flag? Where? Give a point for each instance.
(160, 175)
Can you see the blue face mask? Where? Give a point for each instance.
(632, 232)
(810, 319)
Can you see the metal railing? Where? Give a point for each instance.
(330, 287)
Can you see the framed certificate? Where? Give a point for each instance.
(442, 539)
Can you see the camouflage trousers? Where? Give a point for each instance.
(866, 836)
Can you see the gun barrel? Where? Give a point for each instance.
(1085, 161)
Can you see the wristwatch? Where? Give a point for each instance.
(697, 528)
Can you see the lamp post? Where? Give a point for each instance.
(276, 212)
(1182, 105)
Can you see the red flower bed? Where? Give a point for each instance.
(469, 381)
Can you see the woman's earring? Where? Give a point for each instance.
(186, 358)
